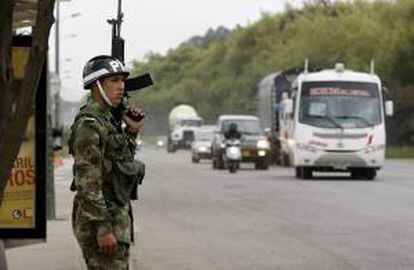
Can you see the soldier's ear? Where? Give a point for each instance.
(94, 85)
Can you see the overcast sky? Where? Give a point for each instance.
(152, 25)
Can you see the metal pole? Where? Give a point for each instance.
(57, 37)
(57, 66)
(50, 178)
(57, 107)
(50, 181)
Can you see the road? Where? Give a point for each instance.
(193, 217)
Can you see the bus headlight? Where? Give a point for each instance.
(374, 148)
(264, 144)
(306, 147)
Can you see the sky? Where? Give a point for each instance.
(149, 26)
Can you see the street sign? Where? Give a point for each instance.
(22, 213)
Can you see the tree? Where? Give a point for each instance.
(16, 106)
(222, 77)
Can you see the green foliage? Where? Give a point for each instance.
(399, 152)
(222, 76)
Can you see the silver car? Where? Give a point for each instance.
(201, 146)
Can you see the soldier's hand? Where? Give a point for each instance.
(107, 244)
(131, 125)
(135, 113)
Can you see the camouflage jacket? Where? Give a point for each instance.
(105, 172)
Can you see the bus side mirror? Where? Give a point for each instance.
(389, 108)
(288, 106)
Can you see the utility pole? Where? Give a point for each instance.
(57, 37)
(57, 67)
(53, 130)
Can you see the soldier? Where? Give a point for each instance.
(105, 172)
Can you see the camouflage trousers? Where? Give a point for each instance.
(85, 233)
(98, 261)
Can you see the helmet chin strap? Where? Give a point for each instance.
(103, 95)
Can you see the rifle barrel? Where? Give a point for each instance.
(119, 17)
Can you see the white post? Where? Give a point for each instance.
(305, 69)
(372, 66)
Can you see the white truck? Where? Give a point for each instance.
(183, 121)
(334, 120)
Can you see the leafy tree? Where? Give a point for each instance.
(222, 77)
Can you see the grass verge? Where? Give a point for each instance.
(399, 152)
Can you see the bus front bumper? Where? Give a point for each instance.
(334, 160)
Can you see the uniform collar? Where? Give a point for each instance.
(95, 106)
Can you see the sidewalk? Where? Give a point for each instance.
(61, 251)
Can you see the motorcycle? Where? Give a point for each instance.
(232, 155)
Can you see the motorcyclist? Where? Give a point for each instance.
(232, 132)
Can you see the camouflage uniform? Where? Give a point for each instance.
(105, 176)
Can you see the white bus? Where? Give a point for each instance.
(334, 120)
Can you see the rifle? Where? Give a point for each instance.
(131, 84)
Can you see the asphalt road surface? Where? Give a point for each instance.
(193, 217)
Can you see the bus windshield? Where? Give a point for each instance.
(337, 104)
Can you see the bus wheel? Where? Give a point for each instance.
(356, 174)
(370, 174)
(303, 172)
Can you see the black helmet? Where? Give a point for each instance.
(100, 67)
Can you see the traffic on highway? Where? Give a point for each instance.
(330, 120)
